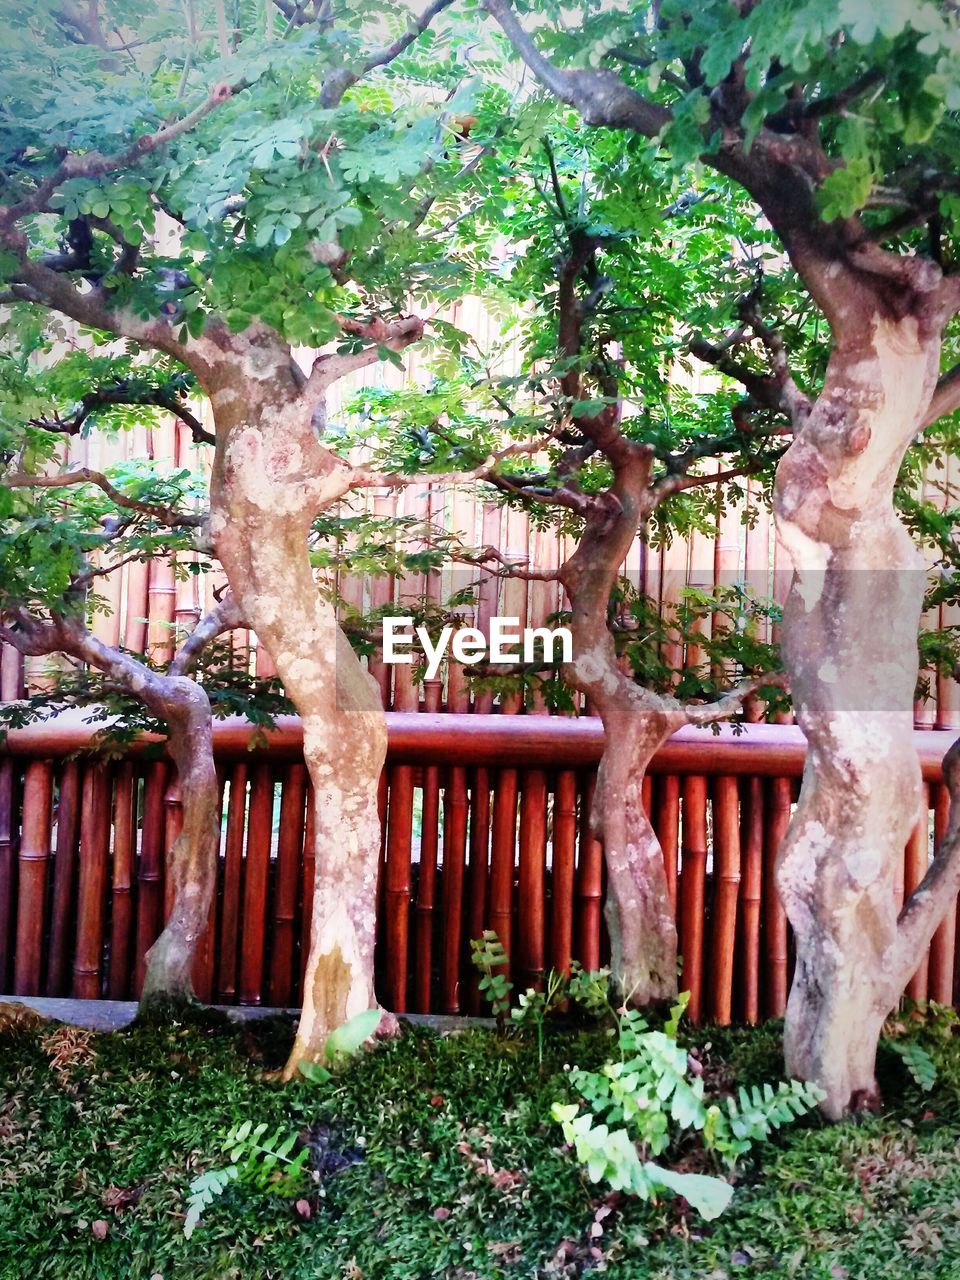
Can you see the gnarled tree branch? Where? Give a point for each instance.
(601, 97)
(160, 512)
(225, 616)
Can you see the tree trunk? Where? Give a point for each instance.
(193, 859)
(185, 708)
(271, 478)
(640, 918)
(850, 647)
(641, 924)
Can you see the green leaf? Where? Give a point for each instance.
(313, 1071)
(345, 1040)
(919, 1063)
(709, 1196)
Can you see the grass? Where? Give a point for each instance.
(438, 1160)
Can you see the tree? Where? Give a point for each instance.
(618, 443)
(286, 192)
(839, 122)
(62, 535)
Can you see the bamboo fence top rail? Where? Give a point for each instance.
(475, 739)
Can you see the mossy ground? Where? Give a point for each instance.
(439, 1160)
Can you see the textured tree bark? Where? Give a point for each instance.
(849, 645)
(638, 912)
(193, 859)
(641, 924)
(271, 478)
(185, 708)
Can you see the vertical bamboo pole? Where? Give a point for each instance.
(752, 897)
(454, 857)
(11, 688)
(916, 861)
(137, 606)
(479, 859)
(779, 802)
(396, 919)
(162, 582)
(232, 886)
(64, 881)
(514, 590)
(124, 860)
(289, 849)
(948, 687)
(488, 592)
(205, 958)
(8, 826)
(674, 576)
(309, 869)
(187, 596)
(503, 854)
(106, 625)
(943, 945)
(589, 886)
(692, 878)
(12, 682)
(204, 961)
(427, 868)
(666, 823)
(150, 872)
(426, 888)
(162, 596)
(256, 885)
(479, 850)
(564, 861)
(381, 594)
(531, 914)
(726, 892)
(172, 826)
(91, 890)
(646, 794)
(33, 861)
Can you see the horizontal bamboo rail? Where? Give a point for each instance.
(486, 826)
(531, 741)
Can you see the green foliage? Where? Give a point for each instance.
(589, 990)
(342, 1044)
(920, 1065)
(915, 1034)
(259, 1159)
(651, 1099)
(876, 1197)
(488, 956)
(610, 1156)
(535, 1006)
(344, 1041)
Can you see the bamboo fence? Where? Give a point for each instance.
(486, 827)
(486, 815)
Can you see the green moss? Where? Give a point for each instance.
(439, 1161)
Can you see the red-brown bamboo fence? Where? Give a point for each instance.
(486, 825)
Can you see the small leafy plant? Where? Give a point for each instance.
(258, 1159)
(536, 1006)
(587, 989)
(652, 1100)
(913, 1030)
(489, 957)
(590, 989)
(264, 1161)
(920, 1066)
